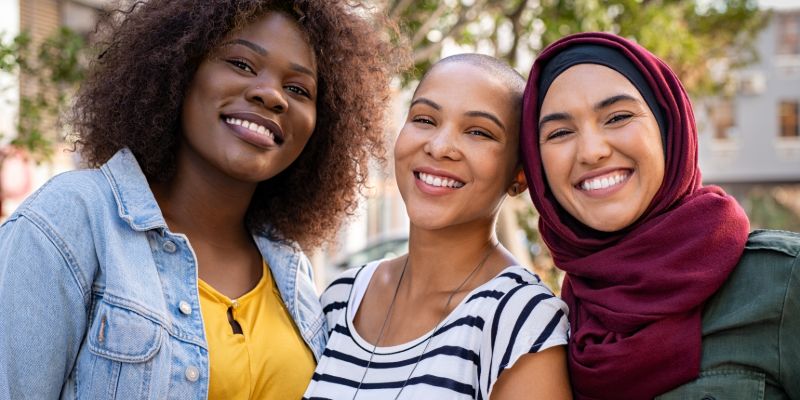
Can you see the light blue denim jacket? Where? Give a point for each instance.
(99, 300)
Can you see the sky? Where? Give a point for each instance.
(779, 4)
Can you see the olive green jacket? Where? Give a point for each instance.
(751, 327)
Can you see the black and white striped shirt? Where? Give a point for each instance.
(511, 315)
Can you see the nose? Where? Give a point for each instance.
(593, 146)
(443, 144)
(268, 94)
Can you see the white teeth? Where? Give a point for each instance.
(439, 181)
(261, 130)
(603, 183)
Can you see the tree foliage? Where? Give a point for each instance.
(51, 71)
(701, 40)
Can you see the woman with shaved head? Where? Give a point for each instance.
(457, 317)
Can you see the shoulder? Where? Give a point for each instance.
(769, 253)
(516, 300)
(70, 197)
(67, 206)
(784, 242)
(757, 289)
(337, 293)
(525, 318)
(55, 226)
(518, 286)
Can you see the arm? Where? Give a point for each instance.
(540, 375)
(42, 311)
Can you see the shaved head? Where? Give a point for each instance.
(494, 67)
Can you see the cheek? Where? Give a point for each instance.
(304, 120)
(654, 154)
(403, 144)
(556, 169)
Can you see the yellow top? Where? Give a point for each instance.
(268, 359)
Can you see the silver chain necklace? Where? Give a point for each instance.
(428, 340)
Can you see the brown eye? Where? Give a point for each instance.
(298, 90)
(423, 120)
(478, 132)
(241, 64)
(619, 118)
(557, 134)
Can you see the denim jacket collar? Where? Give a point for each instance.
(135, 206)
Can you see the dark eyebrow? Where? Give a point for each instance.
(554, 117)
(263, 52)
(486, 115)
(427, 102)
(599, 106)
(303, 70)
(250, 45)
(614, 99)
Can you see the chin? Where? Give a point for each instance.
(612, 224)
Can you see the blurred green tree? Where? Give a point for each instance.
(51, 72)
(702, 40)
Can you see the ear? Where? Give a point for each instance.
(519, 184)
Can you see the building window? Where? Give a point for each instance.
(722, 118)
(789, 34)
(790, 118)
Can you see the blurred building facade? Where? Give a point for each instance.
(750, 140)
(39, 19)
(754, 136)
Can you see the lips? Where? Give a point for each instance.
(438, 181)
(256, 124)
(604, 180)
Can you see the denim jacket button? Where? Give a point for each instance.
(192, 374)
(185, 307)
(170, 247)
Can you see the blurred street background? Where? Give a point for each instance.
(739, 59)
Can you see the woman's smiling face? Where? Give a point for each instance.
(251, 108)
(600, 146)
(456, 155)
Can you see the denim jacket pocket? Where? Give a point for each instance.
(123, 345)
(727, 384)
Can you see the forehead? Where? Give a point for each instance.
(276, 31)
(463, 85)
(590, 83)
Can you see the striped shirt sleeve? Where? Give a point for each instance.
(528, 319)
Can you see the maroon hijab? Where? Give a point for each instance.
(636, 295)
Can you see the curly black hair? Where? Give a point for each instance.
(150, 53)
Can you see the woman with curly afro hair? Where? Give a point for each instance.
(223, 136)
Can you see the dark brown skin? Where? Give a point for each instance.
(227, 258)
(269, 77)
(120, 104)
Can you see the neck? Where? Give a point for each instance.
(440, 259)
(200, 201)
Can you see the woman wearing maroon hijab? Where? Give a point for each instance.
(670, 297)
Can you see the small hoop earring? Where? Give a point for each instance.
(514, 189)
